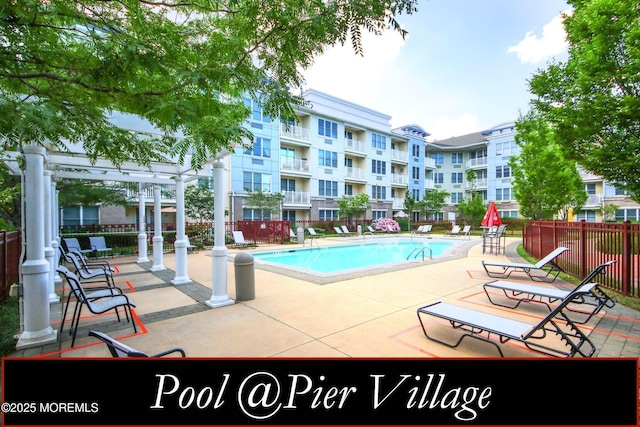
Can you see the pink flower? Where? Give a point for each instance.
(386, 224)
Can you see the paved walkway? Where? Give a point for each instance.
(368, 314)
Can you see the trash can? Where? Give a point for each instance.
(245, 276)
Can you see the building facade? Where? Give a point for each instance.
(336, 148)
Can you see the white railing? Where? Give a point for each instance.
(398, 203)
(296, 198)
(296, 132)
(355, 173)
(478, 183)
(429, 163)
(355, 145)
(399, 179)
(399, 155)
(429, 183)
(594, 200)
(167, 192)
(479, 161)
(295, 165)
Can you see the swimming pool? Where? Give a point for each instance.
(334, 259)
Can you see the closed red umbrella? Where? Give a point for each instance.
(491, 218)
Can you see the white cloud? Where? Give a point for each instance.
(447, 127)
(536, 49)
(341, 72)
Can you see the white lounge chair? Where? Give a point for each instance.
(556, 326)
(339, 231)
(545, 270)
(466, 231)
(190, 247)
(547, 295)
(455, 230)
(312, 233)
(345, 230)
(238, 239)
(292, 235)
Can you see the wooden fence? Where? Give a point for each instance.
(10, 248)
(590, 244)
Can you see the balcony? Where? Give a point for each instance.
(296, 198)
(429, 163)
(478, 162)
(399, 156)
(355, 173)
(594, 200)
(398, 203)
(429, 184)
(355, 145)
(167, 193)
(398, 179)
(478, 183)
(294, 165)
(295, 132)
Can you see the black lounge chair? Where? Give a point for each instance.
(480, 325)
(97, 300)
(547, 295)
(118, 349)
(545, 270)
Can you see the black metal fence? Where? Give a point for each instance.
(590, 244)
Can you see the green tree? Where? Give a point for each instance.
(433, 202)
(351, 207)
(593, 99)
(472, 209)
(544, 181)
(9, 199)
(78, 192)
(265, 203)
(198, 202)
(186, 66)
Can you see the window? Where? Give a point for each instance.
(348, 190)
(627, 215)
(415, 193)
(255, 181)
(503, 171)
(287, 184)
(261, 147)
(289, 215)
(256, 111)
(508, 214)
(415, 150)
(249, 214)
(378, 167)
(456, 197)
(348, 135)
(375, 214)
(590, 188)
(378, 141)
(456, 158)
(506, 148)
(287, 153)
(438, 158)
(503, 194)
(80, 215)
(415, 172)
(327, 214)
(327, 188)
(328, 158)
(327, 128)
(438, 178)
(456, 177)
(378, 192)
(589, 216)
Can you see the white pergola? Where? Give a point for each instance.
(40, 167)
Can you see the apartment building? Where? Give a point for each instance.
(337, 148)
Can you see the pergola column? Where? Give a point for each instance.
(180, 245)
(157, 231)
(219, 253)
(55, 228)
(35, 269)
(142, 221)
(49, 252)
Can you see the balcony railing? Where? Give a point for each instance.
(429, 183)
(296, 132)
(294, 165)
(399, 179)
(296, 198)
(477, 162)
(355, 173)
(398, 203)
(354, 145)
(402, 156)
(594, 200)
(429, 163)
(167, 192)
(478, 183)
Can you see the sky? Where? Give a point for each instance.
(463, 68)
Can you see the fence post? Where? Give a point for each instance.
(626, 257)
(582, 256)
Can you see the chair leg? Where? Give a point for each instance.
(75, 329)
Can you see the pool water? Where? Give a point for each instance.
(332, 259)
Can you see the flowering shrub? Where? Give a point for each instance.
(386, 224)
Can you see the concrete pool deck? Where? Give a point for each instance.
(372, 315)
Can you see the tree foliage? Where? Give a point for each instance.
(593, 99)
(199, 202)
(472, 209)
(10, 190)
(265, 203)
(544, 181)
(433, 202)
(183, 65)
(351, 207)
